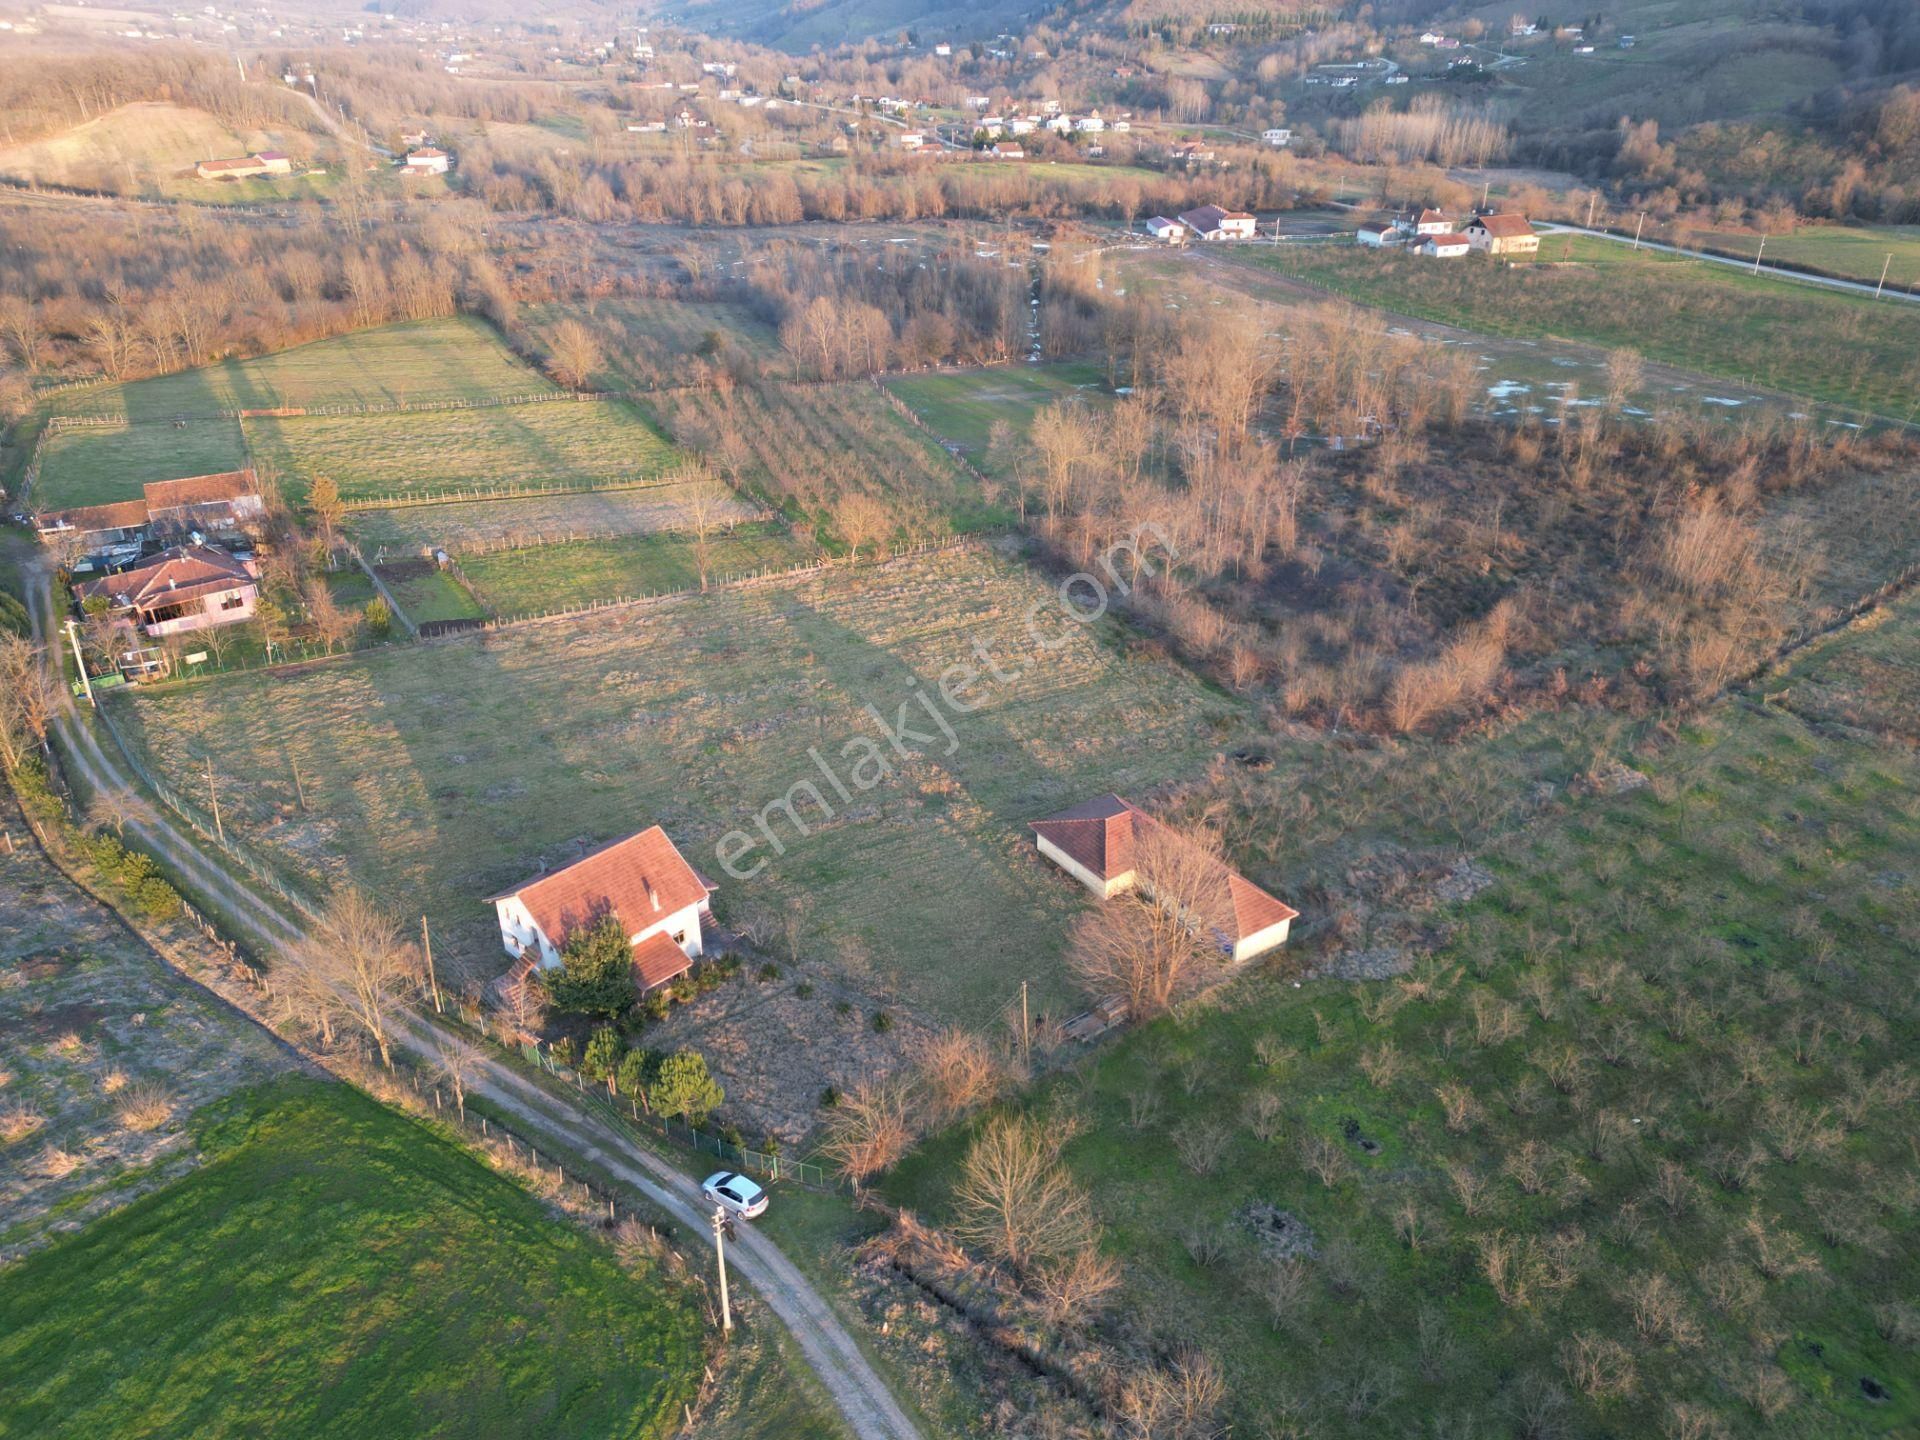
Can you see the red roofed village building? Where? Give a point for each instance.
(643, 881)
(1096, 843)
(191, 587)
(227, 503)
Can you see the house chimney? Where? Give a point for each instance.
(651, 895)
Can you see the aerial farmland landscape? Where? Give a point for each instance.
(885, 721)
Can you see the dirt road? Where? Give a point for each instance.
(862, 1396)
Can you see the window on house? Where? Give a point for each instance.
(681, 938)
(233, 602)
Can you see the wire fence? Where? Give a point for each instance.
(640, 1124)
(401, 500)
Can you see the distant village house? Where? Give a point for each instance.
(1502, 235)
(246, 167)
(428, 161)
(1211, 222)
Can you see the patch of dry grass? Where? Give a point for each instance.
(144, 1107)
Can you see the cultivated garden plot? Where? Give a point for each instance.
(464, 527)
(555, 445)
(436, 776)
(815, 446)
(963, 407)
(107, 1055)
(421, 362)
(97, 465)
(646, 341)
(339, 1268)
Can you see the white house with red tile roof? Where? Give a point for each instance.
(1445, 247)
(1095, 842)
(1502, 235)
(1424, 222)
(1212, 222)
(643, 881)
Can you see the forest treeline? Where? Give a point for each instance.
(59, 92)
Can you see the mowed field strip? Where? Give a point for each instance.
(561, 576)
(436, 775)
(963, 407)
(459, 526)
(458, 358)
(559, 445)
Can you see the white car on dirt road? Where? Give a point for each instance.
(735, 1193)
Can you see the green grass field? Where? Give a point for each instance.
(462, 526)
(98, 465)
(1669, 1022)
(439, 773)
(555, 577)
(432, 595)
(1822, 344)
(423, 361)
(1850, 252)
(560, 445)
(963, 407)
(336, 1269)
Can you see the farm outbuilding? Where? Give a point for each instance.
(1099, 844)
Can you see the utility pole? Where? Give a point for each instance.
(1593, 199)
(720, 1255)
(1026, 1031)
(1757, 254)
(1636, 229)
(218, 828)
(433, 983)
(1883, 275)
(73, 634)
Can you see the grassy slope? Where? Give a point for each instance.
(455, 358)
(554, 577)
(640, 335)
(440, 773)
(337, 1269)
(1714, 934)
(466, 525)
(1851, 252)
(1710, 318)
(96, 466)
(577, 446)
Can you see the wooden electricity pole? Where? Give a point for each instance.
(1026, 1031)
(214, 795)
(79, 660)
(720, 1256)
(1888, 265)
(1636, 229)
(426, 944)
(1757, 254)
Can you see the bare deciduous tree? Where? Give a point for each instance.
(353, 964)
(573, 354)
(869, 1129)
(1015, 1200)
(959, 1071)
(459, 1063)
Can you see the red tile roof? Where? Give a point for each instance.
(1100, 834)
(642, 878)
(1448, 239)
(121, 515)
(186, 572)
(656, 960)
(200, 489)
(1503, 227)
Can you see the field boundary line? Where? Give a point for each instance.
(479, 495)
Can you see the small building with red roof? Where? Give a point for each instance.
(1097, 841)
(643, 881)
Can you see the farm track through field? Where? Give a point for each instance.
(868, 1406)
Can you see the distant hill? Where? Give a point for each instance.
(799, 25)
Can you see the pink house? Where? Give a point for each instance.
(191, 587)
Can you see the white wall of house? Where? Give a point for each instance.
(1262, 941)
(1105, 889)
(214, 610)
(518, 930)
